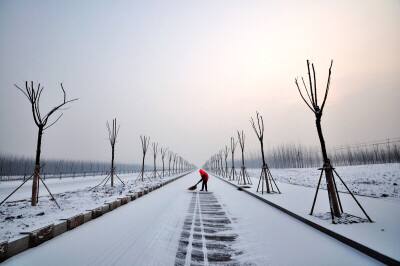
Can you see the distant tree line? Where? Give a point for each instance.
(14, 167)
(299, 156)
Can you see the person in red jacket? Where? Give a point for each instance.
(204, 178)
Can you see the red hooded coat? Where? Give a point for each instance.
(203, 173)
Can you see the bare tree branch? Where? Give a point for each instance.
(241, 139)
(233, 144)
(65, 95)
(305, 86)
(155, 148)
(37, 103)
(46, 117)
(311, 85)
(23, 92)
(327, 86)
(295, 81)
(109, 130)
(254, 127)
(163, 152)
(145, 143)
(260, 127)
(315, 86)
(53, 122)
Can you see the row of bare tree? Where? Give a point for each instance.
(310, 98)
(283, 156)
(43, 122)
(179, 164)
(215, 163)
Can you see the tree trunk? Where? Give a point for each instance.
(264, 168)
(321, 137)
(328, 171)
(35, 184)
(226, 167)
(112, 167)
(243, 170)
(155, 169)
(222, 167)
(143, 167)
(262, 153)
(331, 190)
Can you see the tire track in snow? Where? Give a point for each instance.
(185, 234)
(203, 240)
(207, 236)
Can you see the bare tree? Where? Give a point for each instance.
(180, 159)
(266, 175)
(226, 153)
(217, 163)
(145, 145)
(170, 155)
(173, 165)
(112, 137)
(155, 152)
(180, 164)
(211, 164)
(243, 173)
(163, 153)
(312, 103)
(233, 174)
(220, 162)
(42, 122)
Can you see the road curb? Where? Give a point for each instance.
(360, 247)
(30, 239)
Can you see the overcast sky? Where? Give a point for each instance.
(190, 73)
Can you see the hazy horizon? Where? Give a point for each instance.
(190, 74)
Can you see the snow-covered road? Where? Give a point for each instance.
(175, 226)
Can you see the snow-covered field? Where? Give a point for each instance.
(298, 189)
(55, 185)
(375, 180)
(72, 194)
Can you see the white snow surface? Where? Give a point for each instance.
(72, 194)
(298, 194)
(147, 230)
